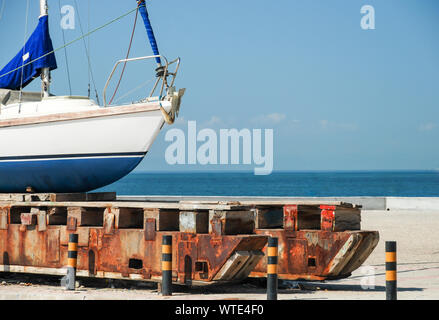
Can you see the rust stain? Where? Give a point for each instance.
(128, 252)
(309, 254)
(135, 252)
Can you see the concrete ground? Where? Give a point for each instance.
(416, 233)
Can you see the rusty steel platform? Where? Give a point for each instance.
(213, 241)
(319, 242)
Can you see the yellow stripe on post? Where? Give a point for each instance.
(391, 275)
(390, 256)
(272, 269)
(272, 251)
(71, 262)
(73, 246)
(166, 249)
(166, 265)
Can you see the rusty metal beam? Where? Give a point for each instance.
(221, 241)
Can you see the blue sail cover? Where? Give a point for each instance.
(149, 31)
(38, 44)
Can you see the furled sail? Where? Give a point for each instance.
(149, 31)
(38, 45)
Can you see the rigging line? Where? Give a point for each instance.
(133, 90)
(71, 42)
(22, 56)
(2, 9)
(65, 52)
(128, 53)
(87, 54)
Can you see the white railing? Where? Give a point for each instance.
(163, 77)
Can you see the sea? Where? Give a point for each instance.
(293, 184)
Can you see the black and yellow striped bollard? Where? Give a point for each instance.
(272, 268)
(72, 259)
(391, 287)
(166, 265)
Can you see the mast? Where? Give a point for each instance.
(45, 72)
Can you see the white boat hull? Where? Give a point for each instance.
(75, 151)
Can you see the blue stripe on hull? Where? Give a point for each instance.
(64, 175)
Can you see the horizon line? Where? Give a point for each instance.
(288, 171)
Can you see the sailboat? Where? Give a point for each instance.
(66, 144)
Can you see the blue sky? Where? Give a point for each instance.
(337, 97)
